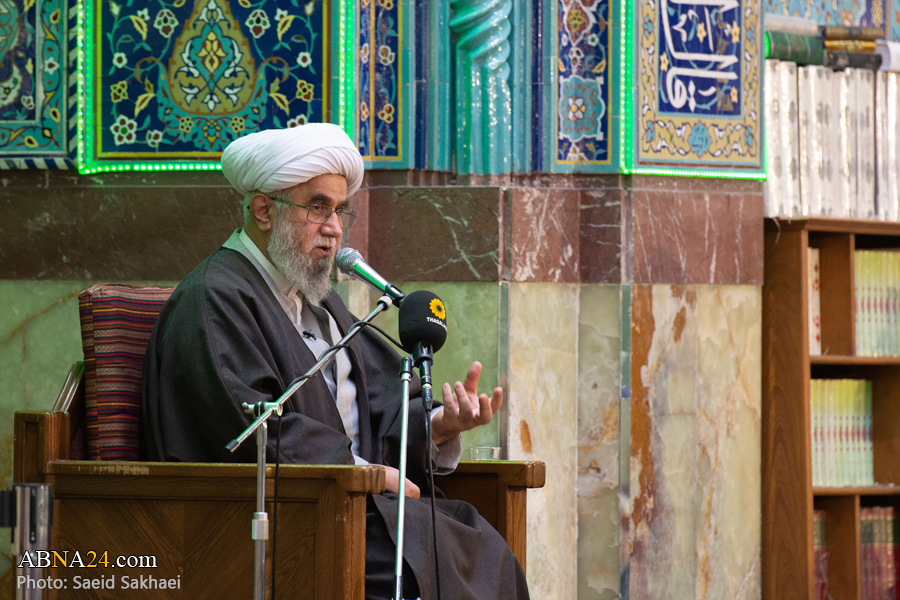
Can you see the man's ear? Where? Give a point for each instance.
(260, 207)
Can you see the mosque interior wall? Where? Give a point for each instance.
(622, 319)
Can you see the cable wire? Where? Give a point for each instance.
(430, 470)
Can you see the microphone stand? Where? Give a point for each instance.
(264, 410)
(405, 376)
(423, 356)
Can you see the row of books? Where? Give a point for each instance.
(879, 557)
(805, 42)
(832, 142)
(833, 54)
(841, 423)
(820, 557)
(876, 290)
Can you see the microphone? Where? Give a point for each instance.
(423, 331)
(350, 262)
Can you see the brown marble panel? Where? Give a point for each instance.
(357, 237)
(601, 231)
(694, 184)
(543, 235)
(112, 233)
(435, 234)
(686, 236)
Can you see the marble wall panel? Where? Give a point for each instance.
(435, 234)
(663, 559)
(598, 441)
(603, 256)
(542, 425)
(472, 334)
(729, 397)
(543, 234)
(358, 236)
(697, 236)
(112, 233)
(695, 447)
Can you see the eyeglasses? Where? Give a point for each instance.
(317, 213)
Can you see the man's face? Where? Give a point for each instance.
(304, 251)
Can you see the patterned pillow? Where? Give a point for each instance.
(116, 323)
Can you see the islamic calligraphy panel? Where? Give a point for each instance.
(699, 58)
(583, 82)
(698, 95)
(33, 92)
(183, 78)
(380, 62)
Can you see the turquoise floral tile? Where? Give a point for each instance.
(180, 81)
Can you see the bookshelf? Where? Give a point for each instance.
(788, 496)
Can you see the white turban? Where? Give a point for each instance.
(276, 159)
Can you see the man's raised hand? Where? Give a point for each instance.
(464, 408)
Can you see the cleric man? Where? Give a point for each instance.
(255, 315)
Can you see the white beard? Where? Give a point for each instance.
(311, 276)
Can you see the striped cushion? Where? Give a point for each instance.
(116, 323)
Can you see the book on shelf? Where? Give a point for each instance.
(775, 167)
(850, 45)
(782, 187)
(865, 142)
(839, 32)
(890, 55)
(841, 432)
(840, 60)
(887, 143)
(878, 552)
(798, 25)
(815, 316)
(811, 93)
(800, 49)
(877, 297)
(845, 141)
(820, 556)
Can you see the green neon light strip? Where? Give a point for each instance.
(709, 174)
(348, 81)
(106, 168)
(344, 36)
(79, 157)
(342, 65)
(626, 102)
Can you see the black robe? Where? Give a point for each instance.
(223, 339)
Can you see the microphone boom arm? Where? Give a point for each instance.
(275, 407)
